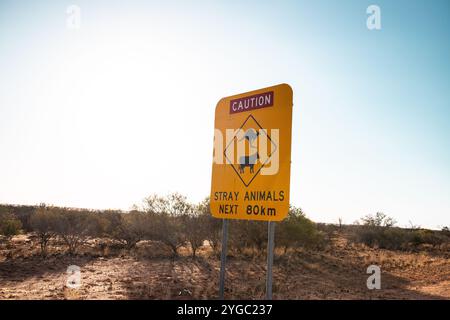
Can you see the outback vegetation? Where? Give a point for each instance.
(380, 231)
(172, 229)
(172, 221)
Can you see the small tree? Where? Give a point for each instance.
(169, 215)
(170, 231)
(378, 220)
(298, 231)
(130, 228)
(173, 204)
(74, 227)
(44, 223)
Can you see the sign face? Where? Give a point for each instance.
(252, 155)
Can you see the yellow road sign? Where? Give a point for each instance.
(252, 155)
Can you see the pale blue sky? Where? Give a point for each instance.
(123, 107)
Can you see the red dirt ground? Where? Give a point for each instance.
(338, 272)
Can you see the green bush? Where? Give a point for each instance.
(394, 238)
(382, 237)
(22, 213)
(429, 237)
(293, 232)
(298, 231)
(10, 227)
(9, 224)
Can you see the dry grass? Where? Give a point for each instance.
(149, 272)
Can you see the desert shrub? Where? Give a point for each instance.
(214, 232)
(99, 223)
(418, 237)
(429, 237)
(365, 235)
(173, 205)
(237, 240)
(298, 231)
(43, 223)
(397, 238)
(212, 226)
(21, 212)
(378, 220)
(170, 231)
(247, 234)
(293, 232)
(329, 229)
(74, 226)
(394, 238)
(255, 234)
(10, 227)
(129, 228)
(378, 230)
(111, 221)
(169, 215)
(9, 224)
(195, 230)
(382, 237)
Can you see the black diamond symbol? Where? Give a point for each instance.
(251, 123)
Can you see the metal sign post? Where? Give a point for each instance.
(223, 258)
(270, 246)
